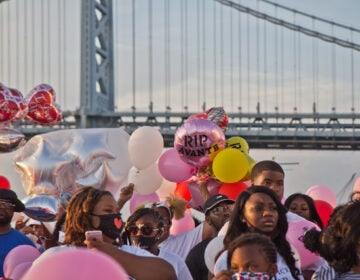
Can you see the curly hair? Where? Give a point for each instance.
(238, 227)
(78, 214)
(266, 245)
(314, 215)
(136, 216)
(340, 238)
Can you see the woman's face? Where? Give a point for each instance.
(260, 212)
(146, 226)
(251, 258)
(299, 206)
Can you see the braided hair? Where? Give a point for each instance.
(78, 214)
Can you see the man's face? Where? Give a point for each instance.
(272, 179)
(220, 214)
(6, 212)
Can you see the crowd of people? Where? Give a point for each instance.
(253, 228)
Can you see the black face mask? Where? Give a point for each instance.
(111, 225)
(144, 242)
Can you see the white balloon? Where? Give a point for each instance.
(166, 189)
(145, 146)
(145, 181)
(211, 251)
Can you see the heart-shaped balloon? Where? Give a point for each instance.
(42, 107)
(9, 104)
(23, 106)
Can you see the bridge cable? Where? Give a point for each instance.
(204, 54)
(59, 45)
(231, 63)
(64, 53)
(257, 61)
(133, 57)
(17, 16)
(312, 16)
(167, 55)
(9, 47)
(215, 52)
(291, 26)
(276, 66)
(2, 21)
(282, 67)
(248, 61)
(313, 70)
(240, 61)
(198, 74)
(222, 53)
(151, 104)
(295, 68)
(42, 27)
(333, 68)
(182, 54)
(186, 56)
(48, 42)
(352, 76)
(299, 72)
(265, 66)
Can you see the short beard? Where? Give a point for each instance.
(5, 220)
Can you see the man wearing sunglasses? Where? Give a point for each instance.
(9, 237)
(217, 210)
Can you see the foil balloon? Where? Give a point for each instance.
(9, 104)
(11, 140)
(23, 108)
(42, 207)
(198, 141)
(218, 116)
(239, 143)
(42, 107)
(64, 161)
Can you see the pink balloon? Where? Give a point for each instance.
(18, 255)
(76, 264)
(173, 168)
(294, 235)
(19, 271)
(141, 199)
(184, 224)
(198, 141)
(320, 192)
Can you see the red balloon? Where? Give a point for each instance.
(4, 183)
(182, 190)
(232, 190)
(9, 104)
(324, 209)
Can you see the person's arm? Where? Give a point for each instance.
(139, 267)
(125, 194)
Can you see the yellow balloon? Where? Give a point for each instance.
(230, 165)
(239, 143)
(251, 163)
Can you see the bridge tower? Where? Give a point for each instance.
(97, 63)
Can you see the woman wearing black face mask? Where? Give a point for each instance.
(94, 209)
(144, 229)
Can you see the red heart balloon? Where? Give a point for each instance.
(9, 104)
(42, 107)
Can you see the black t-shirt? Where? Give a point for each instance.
(196, 262)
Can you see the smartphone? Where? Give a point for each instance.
(94, 234)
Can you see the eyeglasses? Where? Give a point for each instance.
(6, 204)
(144, 229)
(222, 209)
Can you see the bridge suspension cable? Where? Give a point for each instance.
(291, 26)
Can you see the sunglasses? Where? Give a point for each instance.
(6, 204)
(222, 209)
(144, 229)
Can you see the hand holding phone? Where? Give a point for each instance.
(94, 235)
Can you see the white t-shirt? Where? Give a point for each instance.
(180, 267)
(283, 272)
(182, 243)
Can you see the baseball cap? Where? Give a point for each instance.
(215, 200)
(12, 197)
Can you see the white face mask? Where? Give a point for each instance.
(250, 276)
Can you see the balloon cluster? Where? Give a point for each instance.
(37, 107)
(201, 150)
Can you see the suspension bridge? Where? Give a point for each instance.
(286, 78)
